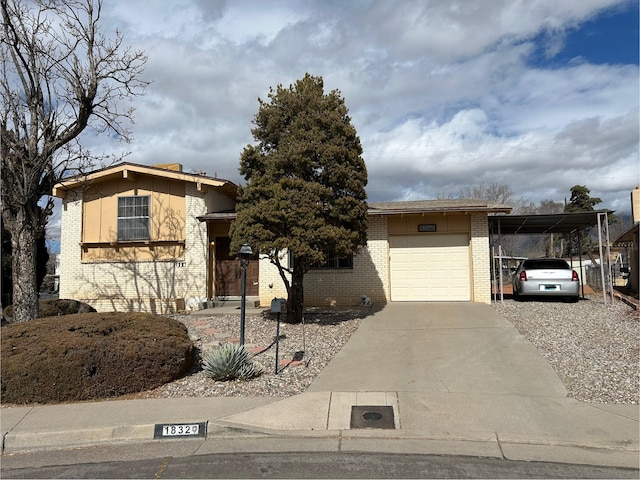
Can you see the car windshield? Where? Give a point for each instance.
(546, 264)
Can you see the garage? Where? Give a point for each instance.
(430, 267)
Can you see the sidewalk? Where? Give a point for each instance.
(455, 378)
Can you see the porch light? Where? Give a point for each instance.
(244, 254)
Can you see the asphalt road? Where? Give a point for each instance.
(311, 465)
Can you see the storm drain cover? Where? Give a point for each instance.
(372, 417)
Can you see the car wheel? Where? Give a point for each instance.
(516, 295)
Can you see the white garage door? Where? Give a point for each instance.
(430, 268)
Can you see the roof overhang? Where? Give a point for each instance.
(130, 171)
(546, 223)
(217, 217)
(404, 208)
(437, 206)
(629, 237)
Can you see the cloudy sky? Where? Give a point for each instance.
(538, 95)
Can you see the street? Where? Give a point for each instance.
(287, 465)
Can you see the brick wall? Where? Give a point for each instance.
(340, 287)
(481, 261)
(155, 286)
(196, 248)
(152, 286)
(70, 238)
(271, 285)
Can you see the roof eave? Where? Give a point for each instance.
(465, 210)
(129, 171)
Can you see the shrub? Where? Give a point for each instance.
(231, 361)
(90, 356)
(52, 307)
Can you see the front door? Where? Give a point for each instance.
(229, 272)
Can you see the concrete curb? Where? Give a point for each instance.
(225, 437)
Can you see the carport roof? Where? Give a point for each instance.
(546, 223)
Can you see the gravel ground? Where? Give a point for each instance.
(322, 336)
(593, 348)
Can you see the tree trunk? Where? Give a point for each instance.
(23, 243)
(295, 302)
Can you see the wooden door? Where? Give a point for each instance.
(229, 272)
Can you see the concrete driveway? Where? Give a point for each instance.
(440, 347)
(460, 370)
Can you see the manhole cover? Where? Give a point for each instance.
(372, 417)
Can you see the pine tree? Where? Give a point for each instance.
(304, 199)
(580, 201)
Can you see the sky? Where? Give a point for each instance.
(444, 94)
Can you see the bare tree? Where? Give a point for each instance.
(494, 192)
(60, 75)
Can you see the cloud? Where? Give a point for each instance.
(443, 94)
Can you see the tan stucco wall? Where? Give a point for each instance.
(635, 204)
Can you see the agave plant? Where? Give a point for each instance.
(249, 370)
(231, 361)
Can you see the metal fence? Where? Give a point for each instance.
(593, 278)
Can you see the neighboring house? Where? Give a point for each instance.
(630, 241)
(436, 250)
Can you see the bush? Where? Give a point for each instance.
(231, 361)
(52, 307)
(91, 356)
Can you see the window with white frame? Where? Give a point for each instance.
(133, 218)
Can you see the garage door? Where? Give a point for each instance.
(430, 268)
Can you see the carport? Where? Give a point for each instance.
(563, 223)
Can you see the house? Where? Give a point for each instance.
(150, 238)
(629, 240)
(130, 238)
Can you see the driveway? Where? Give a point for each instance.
(439, 347)
(460, 370)
(457, 378)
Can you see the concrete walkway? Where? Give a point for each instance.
(456, 378)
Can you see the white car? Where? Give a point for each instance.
(548, 277)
